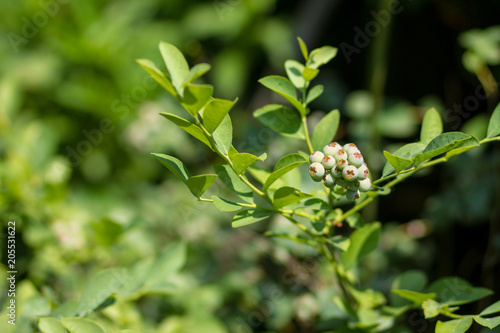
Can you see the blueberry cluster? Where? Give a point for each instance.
(343, 166)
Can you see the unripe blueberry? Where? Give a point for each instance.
(317, 171)
(352, 195)
(328, 180)
(340, 155)
(336, 172)
(353, 186)
(365, 185)
(350, 172)
(328, 162)
(356, 159)
(342, 163)
(342, 182)
(349, 145)
(317, 156)
(363, 172)
(331, 149)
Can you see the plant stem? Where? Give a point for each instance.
(306, 134)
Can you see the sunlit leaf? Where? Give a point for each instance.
(223, 135)
(414, 280)
(310, 74)
(398, 163)
(454, 326)
(321, 56)
(280, 119)
(444, 143)
(157, 75)
(431, 308)
(225, 205)
(325, 130)
(176, 64)
(294, 72)
(494, 124)
(493, 308)
(215, 111)
(314, 93)
(303, 48)
(195, 97)
(169, 262)
(233, 182)
(188, 127)
(414, 296)
(82, 325)
(284, 165)
(196, 72)
(408, 151)
(51, 325)
(242, 161)
(455, 291)
(363, 241)
(432, 126)
(488, 322)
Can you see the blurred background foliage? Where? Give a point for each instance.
(78, 119)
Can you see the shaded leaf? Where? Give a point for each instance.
(414, 280)
(223, 135)
(280, 119)
(415, 297)
(284, 165)
(215, 111)
(314, 93)
(408, 151)
(432, 126)
(188, 127)
(195, 97)
(488, 322)
(225, 205)
(169, 262)
(158, 76)
(174, 165)
(494, 123)
(325, 130)
(99, 288)
(199, 184)
(233, 182)
(176, 64)
(454, 326)
(398, 163)
(443, 143)
(285, 88)
(241, 161)
(136, 277)
(288, 195)
(82, 325)
(363, 241)
(321, 56)
(294, 72)
(250, 216)
(455, 291)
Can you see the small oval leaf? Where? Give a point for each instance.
(325, 130)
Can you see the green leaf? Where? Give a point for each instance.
(188, 127)
(455, 291)
(398, 163)
(363, 241)
(408, 151)
(195, 97)
(284, 165)
(157, 75)
(196, 72)
(285, 88)
(199, 184)
(99, 288)
(137, 276)
(321, 56)
(454, 326)
(250, 216)
(303, 48)
(310, 74)
(409, 280)
(288, 195)
(294, 72)
(229, 178)
(215, 111)
(82, 325)
(494, 124)
(225, 205)
(493, 308)
(223, 135)
(177, 65)
(488, 322)
(415, 297)
(314, 93)
(241, 161)
(174, 165)
(443, 143)
(169, 262)
(51, 325)
(368, 298)
(280, 119)
(468, 144)
(341, 243)
(431, 308)
(432, 126)
(325, 130)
